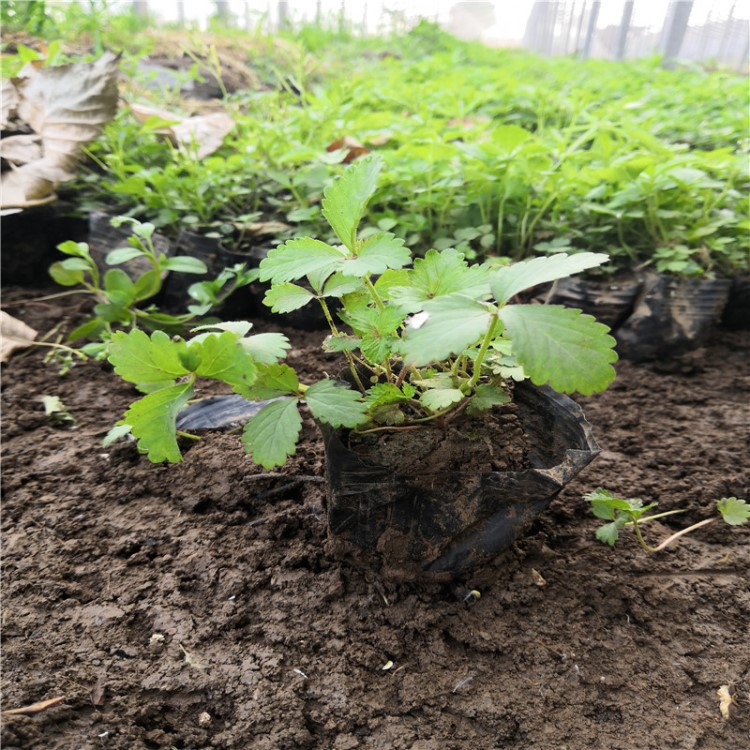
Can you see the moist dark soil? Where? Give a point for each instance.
(201, 605)
(457, 446)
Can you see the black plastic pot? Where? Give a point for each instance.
(174, 297)
(610, 302)
(248, 302)
(103, 238)
(736, 315)
(671, 316)
(418, 527)
(30, 239)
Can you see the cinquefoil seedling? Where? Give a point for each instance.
(420, 343)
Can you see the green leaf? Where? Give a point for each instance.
(440, 398)
(140, 359)
(222, 357)
(439, 274)
(152, 421)
(335, 404)
(345, 201)
(376, 328)
(508, 281)
(119, 287)
(341, 343)
(283, 298)
(377, 254)
(735, 512)
(147, 284)
(271, 435)
(88, 330)
(79, 249)
(338, 285)
(266, 348)
(185, 264)
(486, 397)
(66, 276)
(297, 258)
(453, 324)
(275, 380)
(117, 432)
(384, 393)
(240, 327)
(609, 533)
(123, 255)
(561, 346)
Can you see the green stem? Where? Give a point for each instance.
(488, 337)
(374, 293)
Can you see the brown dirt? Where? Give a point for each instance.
(199, 606)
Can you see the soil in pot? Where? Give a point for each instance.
(439, 502)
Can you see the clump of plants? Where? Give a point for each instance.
(620, 512)
(422, 340)
(127, 298)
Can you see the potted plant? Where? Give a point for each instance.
(445, 430)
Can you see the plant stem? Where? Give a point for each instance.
(483, 351)
(374, 293)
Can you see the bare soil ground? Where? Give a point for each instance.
(201, 606)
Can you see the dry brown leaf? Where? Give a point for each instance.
(263, 227)
(206, 131)
(31, 184)
(98, 692)
(14, 334)
(355, 149)
(726, 699)
(9, 103)
(21, 149)
(143, 113)
(68, 105)
(34, 708)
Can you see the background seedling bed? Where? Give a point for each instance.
(283, 646)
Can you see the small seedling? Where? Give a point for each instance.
(123, 301)
(57, 412)
(621, 512)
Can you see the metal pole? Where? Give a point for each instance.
(140, 7)
(593, 18)
(622, 34)
(580, 28)
(283, 14)
(569, 28)
(181, 12)
(681, 10)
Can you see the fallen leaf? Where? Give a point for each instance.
(67, 106)
(263, 227)
(354, 148)
(207, 132)
(98, 692)
(31, 184)
(34, 708)
(726, 699)
(14, 334)
(21, 149)
(9, 101)
(538, 579)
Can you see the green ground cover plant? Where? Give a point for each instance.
(620, 512)
(498, 154)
